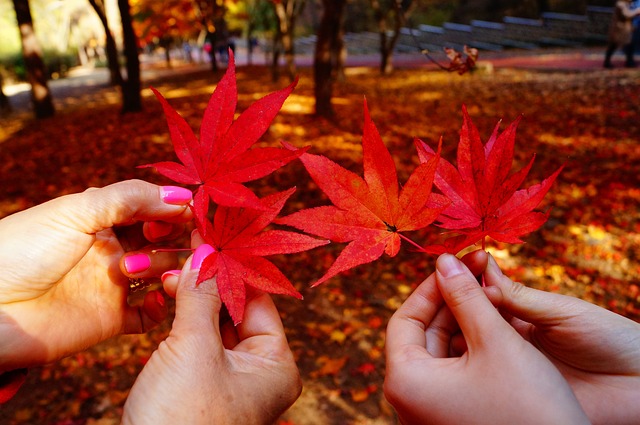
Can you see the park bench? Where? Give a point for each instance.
(563, 29)
(599, 20)
(487, 35)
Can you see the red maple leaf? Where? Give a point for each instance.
(457, 63)
(240, 243)
(367, 213)
(484, 195)
(220, 161)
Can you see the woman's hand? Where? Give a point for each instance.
(64, 283)
(596, 350)
(499, 379)
(205, 372)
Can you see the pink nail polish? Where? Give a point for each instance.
(137, 263)
(159, 229)
(175, 195)
(168, 273)
(202, 252)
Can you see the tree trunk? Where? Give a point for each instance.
(206, 13)
(327, 44)
(115, 76)
(32, 52)
(4, 100)
(386, 54)
(286, 13)
(276, 47)
(131, 100)
(388, 41)
(250, 42)
(213, 40)
(165, 43)
(287, 46)
(294, 7)
(339, 55)
(543, 6)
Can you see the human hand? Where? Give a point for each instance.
(597, 351)
(499, 379)
(205, 373)
(63, 285)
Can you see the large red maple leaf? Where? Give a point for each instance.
(485, 200)
(240, 243)
(367, 213)
(220, 161)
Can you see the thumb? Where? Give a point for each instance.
(197, 305)
(474, 312)
(124, 203)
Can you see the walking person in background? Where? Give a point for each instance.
(635, 36)
(621, 31)
(4, 100)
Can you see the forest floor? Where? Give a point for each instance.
(587, 119)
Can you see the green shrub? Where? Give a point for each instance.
(56, 64)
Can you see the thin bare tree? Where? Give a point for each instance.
(115, 76)
(32, 53)
(329, 48)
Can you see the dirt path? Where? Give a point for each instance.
(82, 80)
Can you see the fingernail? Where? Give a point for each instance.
(137, 263)
(169, 273)
(202, 252)
(448, 265)
(159, 229)
(494, 265)
(175, 195)
(159, 299)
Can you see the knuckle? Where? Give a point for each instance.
(463, 292)
(517, 290)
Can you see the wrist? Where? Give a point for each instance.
(150, 413)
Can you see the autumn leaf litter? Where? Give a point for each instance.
(589, 247)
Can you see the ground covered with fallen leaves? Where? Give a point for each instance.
(589, 248)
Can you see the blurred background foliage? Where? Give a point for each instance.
(70, 32)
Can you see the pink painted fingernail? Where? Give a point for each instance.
(159, 229)
(202, 252)
(168, 273)
(137, 263)
(175, 195)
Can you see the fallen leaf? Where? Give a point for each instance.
(329, 366)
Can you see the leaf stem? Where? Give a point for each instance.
(154, 251)
(411, 242)
(484, 248)
(425, 52)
